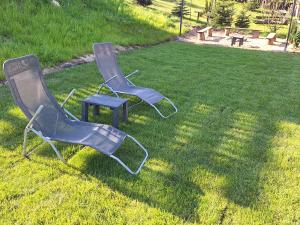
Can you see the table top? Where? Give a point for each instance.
(105, 100)
(247, 29)
(238, 36)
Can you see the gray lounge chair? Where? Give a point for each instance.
(116, 82)
(51, 121)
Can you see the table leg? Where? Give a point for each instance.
(96, 110)
(241, 42)
(227, 32)
(116, 117)
(232, 41)
(125, 112)
(85, 112)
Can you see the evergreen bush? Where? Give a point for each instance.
(243, 20)
(223, 13)
(297, 39)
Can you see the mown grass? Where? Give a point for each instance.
(230, 155)
(58, 34)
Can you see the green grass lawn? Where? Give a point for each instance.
(231, 155)
(59, 34)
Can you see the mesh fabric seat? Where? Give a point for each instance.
(48, 119)
(118, 83)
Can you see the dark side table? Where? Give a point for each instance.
(111, 102)
(239, 38)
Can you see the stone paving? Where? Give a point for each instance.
(220, 39)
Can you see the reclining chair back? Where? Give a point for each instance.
(107, 64)
(29, 90)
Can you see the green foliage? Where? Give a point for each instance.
(233, 146)
(294, 30)
(176, 11)
(223, 13)
(144, 2)
(297, 39)
(253, 5)
(243, 20)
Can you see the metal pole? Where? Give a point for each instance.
(181, 15)
(290, 26)
(191, 9)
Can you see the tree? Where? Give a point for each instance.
(208, 10)
(176, 11)
(144, 2)
(223, 13)
(243, 20)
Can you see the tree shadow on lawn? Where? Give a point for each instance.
(217, 138)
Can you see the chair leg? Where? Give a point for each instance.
(56, 151)
(25, 154)
(25, 142)
(162, 115)
(131, 106)
(142, 163)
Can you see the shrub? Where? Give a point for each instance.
(243, 20)
(144, 2)
(253, 5)
(297, 39)
(294, 31)
(223, 13)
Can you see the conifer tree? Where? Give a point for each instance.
(177, 9)
(243, 20)
(223, 13)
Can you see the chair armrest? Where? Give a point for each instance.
(129, 75)
(110, 79)
(67, 98)
(34, 116)
(105, 83)
(65, 101)
(133, 73)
